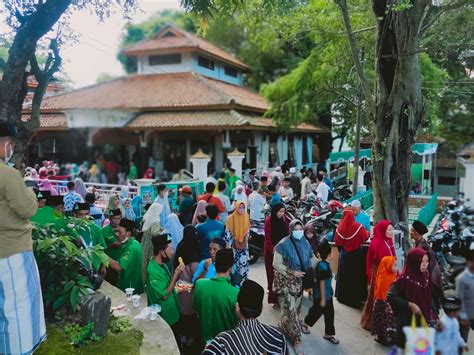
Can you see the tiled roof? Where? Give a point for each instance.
(173, 120)
(157, 92)
(180, 40)
(56, 121)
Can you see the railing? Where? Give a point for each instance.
(366, 199)
(104, 190)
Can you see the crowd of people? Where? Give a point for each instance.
(193, 262)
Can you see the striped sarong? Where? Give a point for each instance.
(22, 326)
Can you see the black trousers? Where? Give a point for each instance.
(316, 311)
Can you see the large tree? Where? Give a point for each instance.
(396, 110)
(32, 20)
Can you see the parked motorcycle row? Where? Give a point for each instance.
(451, 239)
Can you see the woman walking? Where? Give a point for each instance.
(238, 226)
(293, 258)
(199, 215)
(151, 227)
(351, 286)
(411, 293)
(276, 228)
(174, 227)
(381, 245)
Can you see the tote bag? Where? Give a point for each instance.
(420, 340)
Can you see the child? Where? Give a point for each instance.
(383, 324)
(322, 295)
(465, 289)
(449, 340)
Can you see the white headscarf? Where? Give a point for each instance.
(174, 227)
(152, 216)
(242, 196)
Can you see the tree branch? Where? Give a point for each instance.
(355, 56)
(440, 11)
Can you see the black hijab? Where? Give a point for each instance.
(187, 248)
(279, 227)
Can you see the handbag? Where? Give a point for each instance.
(420, 340)
(308, 278)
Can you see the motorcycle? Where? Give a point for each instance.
(256, 240)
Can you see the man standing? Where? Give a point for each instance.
(22, 325)
(251, 179)
(162, 199)
(207, 267)
(186, 205)
(114, 247)
(256, 204)
(285, 190)
(210, 198)
(295, 183)
(418, 229)
(71, 198)
(209, 230)
(360, 215)
(322, 191)
(215, 299)
(250, 336)
(129, 266)
(94, 211)
(306, 185)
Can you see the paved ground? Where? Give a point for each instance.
(353, 339)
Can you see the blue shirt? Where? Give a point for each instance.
(206, 232)
(323, 273)
(328, 182)
(211, 271)
(166, 209)
(97, 214)
(70, 199)
(275, 199)
(364, 219)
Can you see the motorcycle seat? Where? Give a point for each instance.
(454, 260)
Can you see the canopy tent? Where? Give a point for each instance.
(348, 155)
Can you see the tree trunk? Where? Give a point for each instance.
(399, 107)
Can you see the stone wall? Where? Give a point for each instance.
(157, 335)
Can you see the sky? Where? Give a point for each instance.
(98, 42)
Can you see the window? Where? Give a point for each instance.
(205, 63)
(164, 59)
(447, 180)
(231, 72)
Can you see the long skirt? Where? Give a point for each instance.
(351, 285)
(147, 250)
(366, 317)
(22, 325)
(241, 261)
(272, 296)
(383, 322)
(290, 316)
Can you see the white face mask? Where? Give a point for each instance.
(8, 152)
(298, 234)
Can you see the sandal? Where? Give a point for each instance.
(331, 338)
(304, 328)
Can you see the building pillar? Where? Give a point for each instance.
(188, 153)
(218, 152)
(200, 160)
(285, 149)
(236, 159)
(265, 156)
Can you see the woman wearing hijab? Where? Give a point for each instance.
(351, 286)
(411, 293)
(148, 174)
(114, 203)
(151, 227)
(381, 245)
(238, 226)
(311, 237)
(188, 251)
(383, 323)
(239, 194)
(94, 174)
(123, 192)
(174, 227)
(80, 187)
(45, 185)
(129, 212)
(276, 228)
(200, 213)
(293, 257)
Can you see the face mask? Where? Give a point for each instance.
(298, 234)
(8, 152)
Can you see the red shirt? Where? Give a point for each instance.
(210, 198)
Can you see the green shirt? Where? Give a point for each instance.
(110, 236)
(44, 215)
(159, 278)
(214, 301)
(132, 173)
(131, 264)
(91, 235)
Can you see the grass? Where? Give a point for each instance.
(127, 342)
